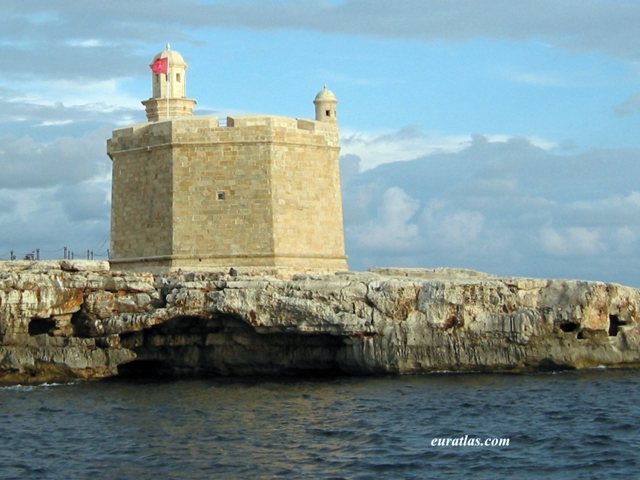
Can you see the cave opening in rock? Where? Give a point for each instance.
(38, 326)
(144, 369)
(614, 325)
(551, 364)
(227, 345)
(569, 326)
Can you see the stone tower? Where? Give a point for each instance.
(169, 89)
(195, 193)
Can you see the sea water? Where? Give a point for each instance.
(560, 426)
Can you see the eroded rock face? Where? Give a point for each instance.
(65, 320)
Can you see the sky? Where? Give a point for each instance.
(496, 135)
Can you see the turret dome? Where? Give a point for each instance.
(326, 106)
(173, 55)
(325, 95)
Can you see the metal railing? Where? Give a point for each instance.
(67, 254)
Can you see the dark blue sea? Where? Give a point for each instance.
(560, 426)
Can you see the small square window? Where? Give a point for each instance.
(220, 196)
(328, 113)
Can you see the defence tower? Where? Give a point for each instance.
(192, 192)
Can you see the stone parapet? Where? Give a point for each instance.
(208, 130)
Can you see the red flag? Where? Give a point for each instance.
(161, 65)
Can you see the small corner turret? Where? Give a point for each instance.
(169, 87)
(326, 106)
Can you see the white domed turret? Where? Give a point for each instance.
(169, 82)
(169, 76)
(326, 106)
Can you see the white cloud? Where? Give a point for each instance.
(506, 207)
(43, 104)
(458, 229)
(88, 43)
(26, 203)
(53, 123)
(103, 96)
(606, 211)
(625, 239)
(51, 218)
(408, 143)
(572, 241)
(95, 196)
(27, 163)
(392, 229)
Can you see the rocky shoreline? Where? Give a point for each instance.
(66, 320)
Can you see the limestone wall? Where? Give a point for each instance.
(142, 184)
(260, 191)
(307, 205)
(228, 163)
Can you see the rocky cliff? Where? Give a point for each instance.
(63, 320)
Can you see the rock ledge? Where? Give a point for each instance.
(63, 320)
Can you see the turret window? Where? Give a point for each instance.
(327, 113)
(177, 77)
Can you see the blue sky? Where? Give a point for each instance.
(498, 135)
